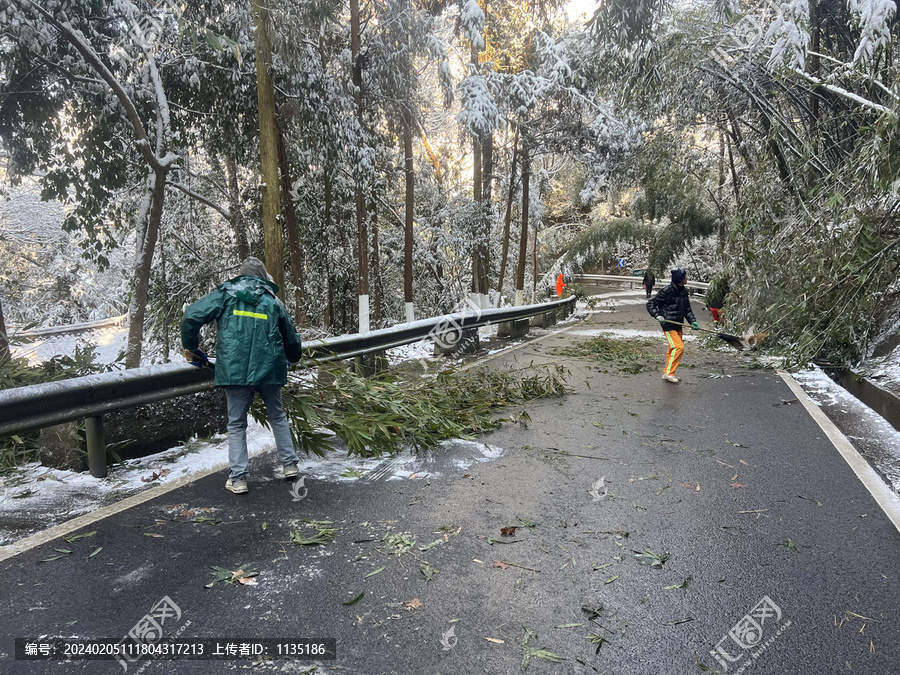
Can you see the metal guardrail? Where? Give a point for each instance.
(581, 278)
(90, 397)
(53, 331)
(347, 346)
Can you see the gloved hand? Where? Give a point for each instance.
(196, 357)
(695, 325)
(661, 319)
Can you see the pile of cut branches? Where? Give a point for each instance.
(631, 356)
(385, 413)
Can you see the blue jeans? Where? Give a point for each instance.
(239, 400)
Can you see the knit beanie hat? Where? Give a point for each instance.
(679, 274)
(253, 267)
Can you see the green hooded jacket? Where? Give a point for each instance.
(256, 336)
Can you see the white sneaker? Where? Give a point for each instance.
(671, 378)
(238, 486)
(291, 471)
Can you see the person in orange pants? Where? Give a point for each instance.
(673, 354)
(672, 306)
(560, 285)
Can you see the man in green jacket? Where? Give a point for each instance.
(256, 339)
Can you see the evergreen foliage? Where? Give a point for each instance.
(733, 138)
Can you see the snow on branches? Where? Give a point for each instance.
(479, 113)
(872, 18)
(790, 33)
(471, 20)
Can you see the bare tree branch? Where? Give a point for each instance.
(203, 200)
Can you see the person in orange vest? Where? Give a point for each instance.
(559, 285)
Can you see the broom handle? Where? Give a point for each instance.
(687, 325)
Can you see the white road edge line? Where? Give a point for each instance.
(887, 500)
(63, 529)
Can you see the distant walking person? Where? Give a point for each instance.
(649, 281)
(256, 339)
(715, 298)
(671, 306)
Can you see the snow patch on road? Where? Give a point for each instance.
(614, 302)
(39, 497)
(450, 456)
(625, 333)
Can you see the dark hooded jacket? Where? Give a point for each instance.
(715, 296)
(256, 336)
(673, 303)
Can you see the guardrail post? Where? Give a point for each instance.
(539, 320)
(368, 365)
(513, 329)
(96, 446)
(447, 342)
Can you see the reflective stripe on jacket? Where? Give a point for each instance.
(256, 336)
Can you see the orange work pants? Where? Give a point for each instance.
(676, 349)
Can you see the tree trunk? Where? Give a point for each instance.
(721, 190)
(236, 209)
(815, 31)
(362, 241)
(534, 266)
(290, 222)
(433, 158)
(476, 239)
(487, 162)
(507, 219)
(4, 341)
(360, 197)
(377, 289)
(328, 314)
(523, 235)
(408, 222)
(772, 143)
(734, 176)
(145, 246)
(167, 347)
(268, 146)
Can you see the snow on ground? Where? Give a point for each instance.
(454, 455)
(40, 497)
(885, 370)
(872, 435)
(625, 333)
(423, 349)
(616, 302)
(109, 341)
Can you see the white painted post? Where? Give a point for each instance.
(363, 314)
(410, 313)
